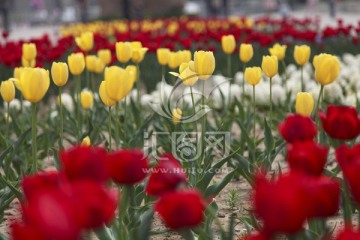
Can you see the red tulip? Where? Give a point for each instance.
(348, 234)
(259, 236)
(281, 204)
(340, 122)
(25, 232)
(297, 128)
(308, 157)
(184, 209)
(166, 176)
(82, 162)
(127, 166)
(39, 182)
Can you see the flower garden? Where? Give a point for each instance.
(182, 128)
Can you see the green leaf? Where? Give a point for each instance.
(214, 190)
(145, 225)
(104, 234)
(268, 140)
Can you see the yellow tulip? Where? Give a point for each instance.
(185, 56)
(136, 45)
(174, 60)
(123, 51)
(86, 142)
(253, 75)
(132, 73)
(104, 97)
(228, 44)
(270, 65)
(104, 55)
(138, 54)
(117, 83)
(327, 68)
(304, 104)
(187, 74)
(29, 52)
(246, 52)
(34, 83)
(76, 62)
(59, 73)
(90, 62)
(99, 66)
(302, 54)
(177, 114)
(162, 55)
(86, 99)
(17, 72)
(26, 63)
(7, 90)
(204, 64)
(86, 41)
(278, 51)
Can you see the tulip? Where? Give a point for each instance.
(186, 74)
(204, 62)
(84, 163)
(132, 73)
(17, 72)
(297, 128)
(228, 44)
(99, 66)
(253, 75)
(348, 233)
(104, 97)
(123, 51)
(270, 67)
(304, 104)
(117, 83)
(166, 176)
(105, 56)
(59, 73)
(174, 60)
(86, 99)
(185, 56)
(26, 63)
(327, 68)
(177, 113)
(182, 209)
(90, 62)
(86, 41)
(162, 55)
(86, 142)
(29, 52)
(34, 83)
(278, 51)
(76, 62)
(7, 90)
(246, 52)
(138, 55)
(302, 54)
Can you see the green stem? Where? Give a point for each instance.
(8, 120)
(243, 84)
(117, 135)
(78, 104)
(302, 79)
(203, 125)
(33, 138)
(138, 85)
(187, 234)
(125, 123)
(88, 80)
(271, 103)
(61, 121)
(254, 108)
(284, 76)
(318, 103)
(347, 206)
(109, 126)
(230, 77)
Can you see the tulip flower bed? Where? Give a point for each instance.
(271, 151)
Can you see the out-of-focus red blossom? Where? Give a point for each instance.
(183, 209)
(40, 182)
(127, 166)
(82, 162)
(258, 236)
(297, 128)
(349, 161)
(5, 34)
(340, 122)
(25, 232)
(95, 205)
(348, 234)
(281, 204)
(324, 195)
(166, 176)
(308, 157)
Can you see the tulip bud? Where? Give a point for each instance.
(187, 74)
(132, 73)
(228, 44)
(17, 72)
(104, 97)
(59, 73)
(26, 63)
(86, 41)
(253, 75)
(7, 90)
(302, 54)
(138, 54)
(163, 56)
(304, 104)
(270, 65)
(204, 63)
(246, 52)
(86, 99)
(327, 68)
(90, 62)
(177, 113)
(185, 56)
(104, 55)
(99, 66)
(173, 60)
(278, 51)
(76, 62)
(86, 142)
(34, 83)
(29, 52)
(123, 51)
(117, 83)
